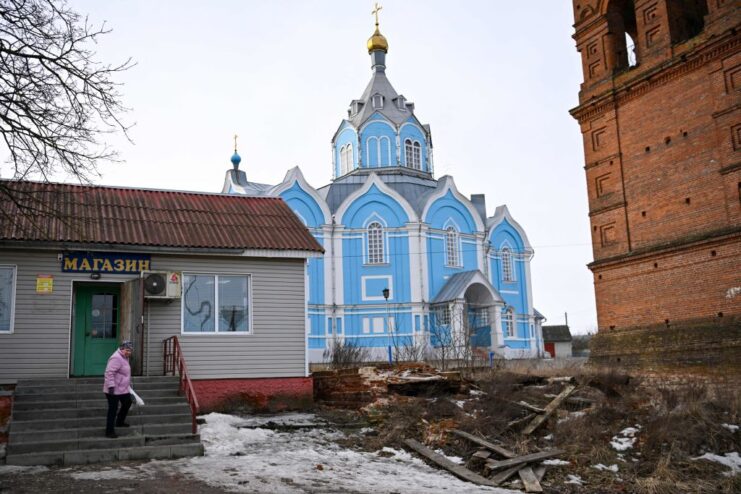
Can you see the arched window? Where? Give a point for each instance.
(413, 154)
(686, 18)
(508, 323)
(508, 271)
(416, 155)
(345, 159)
(621, 20)
(451, 247)
(375, 243)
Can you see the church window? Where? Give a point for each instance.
(451, 244)
(508, 272)
(442, 315)
(508, 323)
(346, 158)
(413, 154)
(377, 101)
(375, 243)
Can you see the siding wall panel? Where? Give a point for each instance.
(40, 343)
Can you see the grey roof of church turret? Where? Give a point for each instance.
(415, 189)
(379, 84)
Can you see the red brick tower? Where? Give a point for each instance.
(660, 115)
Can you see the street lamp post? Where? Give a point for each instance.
(386, 293)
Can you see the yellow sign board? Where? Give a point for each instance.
(44, 284)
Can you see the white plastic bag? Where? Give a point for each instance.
(137, 398)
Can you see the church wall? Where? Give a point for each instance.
(345, 136)
(411, 131)
(378, 140)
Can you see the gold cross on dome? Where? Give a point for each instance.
(375, 12)
(235, 142)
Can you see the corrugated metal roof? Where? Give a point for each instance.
(45, 212)
(556, 333)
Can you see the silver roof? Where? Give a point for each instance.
(456, 286)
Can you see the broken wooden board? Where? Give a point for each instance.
(527, 406)
(484, 454)
(457, 470)
(553, 405)
(529, 480)
(493, 465)
(521, 420)
(504, 475)
(483, 442)
(539, 472)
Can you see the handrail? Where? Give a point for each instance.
(172, 357)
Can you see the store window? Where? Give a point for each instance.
(216, 303)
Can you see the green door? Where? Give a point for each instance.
(96, 328)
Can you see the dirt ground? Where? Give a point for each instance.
(60, 480)
(618, 435)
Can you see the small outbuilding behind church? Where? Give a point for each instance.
(84, 267)
(557, 341)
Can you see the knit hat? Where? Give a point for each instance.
(126, 345)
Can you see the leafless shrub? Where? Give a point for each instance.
(345, 355)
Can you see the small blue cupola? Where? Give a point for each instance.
(236, 159)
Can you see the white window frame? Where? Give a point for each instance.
(408, 153)
(508, 268)
(377, 101)
(452, 247)
(367, 297)
(508, 323)
(442, 315)
(416, 155)
(250, 327)
(14, 289)
(372, 254)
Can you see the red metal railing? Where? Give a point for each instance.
(173, 360)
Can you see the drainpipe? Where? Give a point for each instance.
(334, 285)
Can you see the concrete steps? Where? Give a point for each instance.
(62, 422)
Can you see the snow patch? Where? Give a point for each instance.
(305, 460)
(113, 474)
(476, 392)
(625, 439)
(455, 459)
(573, 479)
(611, 468)
(730, 427)
(555, 462)
(460, 403)
(731, 460)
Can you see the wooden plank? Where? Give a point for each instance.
(482, 453)
(523, 459)
(483, 442)
(505, 474)
(539, 472)
(521, 420)
(529, 480)
(457, 470)
(528, 406)
(549, 409)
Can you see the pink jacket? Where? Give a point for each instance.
(117, 374)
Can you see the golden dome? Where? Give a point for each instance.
(378, 42)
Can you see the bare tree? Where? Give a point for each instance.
(56, 100)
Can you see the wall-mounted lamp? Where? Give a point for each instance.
(95, 276)
(386, 293)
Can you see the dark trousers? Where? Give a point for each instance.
(113, 401)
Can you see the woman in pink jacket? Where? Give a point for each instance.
(116, 388)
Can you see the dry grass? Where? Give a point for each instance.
(676, 425)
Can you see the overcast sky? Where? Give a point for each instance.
(494, 79)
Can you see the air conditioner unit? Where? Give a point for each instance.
(162, 284)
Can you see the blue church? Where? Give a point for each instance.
(411, 265)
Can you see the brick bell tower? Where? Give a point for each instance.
(660, 115)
